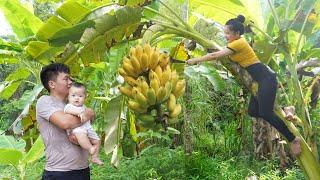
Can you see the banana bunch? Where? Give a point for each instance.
(150, 83)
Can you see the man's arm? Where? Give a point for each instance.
(68, 121)
(73, 110)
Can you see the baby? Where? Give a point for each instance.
(86, 136)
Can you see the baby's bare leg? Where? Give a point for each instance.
(85, 143)
(95, 157)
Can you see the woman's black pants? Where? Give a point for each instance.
(263, 104)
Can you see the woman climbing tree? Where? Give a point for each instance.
(261, 105)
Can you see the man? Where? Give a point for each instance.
(64, 159)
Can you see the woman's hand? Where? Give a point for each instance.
(192, 61)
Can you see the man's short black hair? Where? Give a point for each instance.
(51, 71)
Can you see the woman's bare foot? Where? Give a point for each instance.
(296, 146)
(97, 161)
(289, 112)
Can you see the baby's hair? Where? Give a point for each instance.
(78, 85)
(236, 24)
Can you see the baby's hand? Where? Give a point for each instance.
(73, 139)
(82, 117)
(88, 114)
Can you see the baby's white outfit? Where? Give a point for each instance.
(84, 128)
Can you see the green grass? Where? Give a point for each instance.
(165, 163)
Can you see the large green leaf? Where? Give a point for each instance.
(36, 151)
(112, 130)
(300, 17)
(10, 46)
(72, 11)
(10, 89)
(52, 25)
(72, 34)
(109, 29)
(5, 54)
(42, 51)
(122, 23)
(25, 103)
(14, 80)
(9, 142)
(37, 48)
(21, 73)
(22, 21)
(10, 156)
(223, 10)
(256, 11)
(220, 11)
(94, 51)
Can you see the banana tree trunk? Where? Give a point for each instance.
(187, 133)
(267, 142)
(262, 138)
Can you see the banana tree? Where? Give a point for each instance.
(80, 35)
(13, 153)
(169, 25)
(24, 25)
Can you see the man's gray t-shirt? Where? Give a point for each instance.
(61, 154)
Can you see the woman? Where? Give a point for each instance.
(262, 105)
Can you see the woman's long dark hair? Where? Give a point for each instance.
(236, 24)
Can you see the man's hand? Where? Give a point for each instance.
(88, 114)
(73, 139)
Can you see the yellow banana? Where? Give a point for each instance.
(141, 99)
(122, 72)
(132, 52)
(151, 95)
(168, 68)
(135, 64)
(168, 88)
(158, 71)
(147, 49)
(135, 91)
(144, 87)
(171, 102)
(139, 51)
(126, 60)
(174, 78)
(181, 92)
(130, 80)
(161, 95)
(176, 111)
(144, 62)
(126, 91)
(154, 84)
(180, 85)
(154, 60)
(135, 107)
(153, 75)
(164, 59)
(129, 69)
(166, 76)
